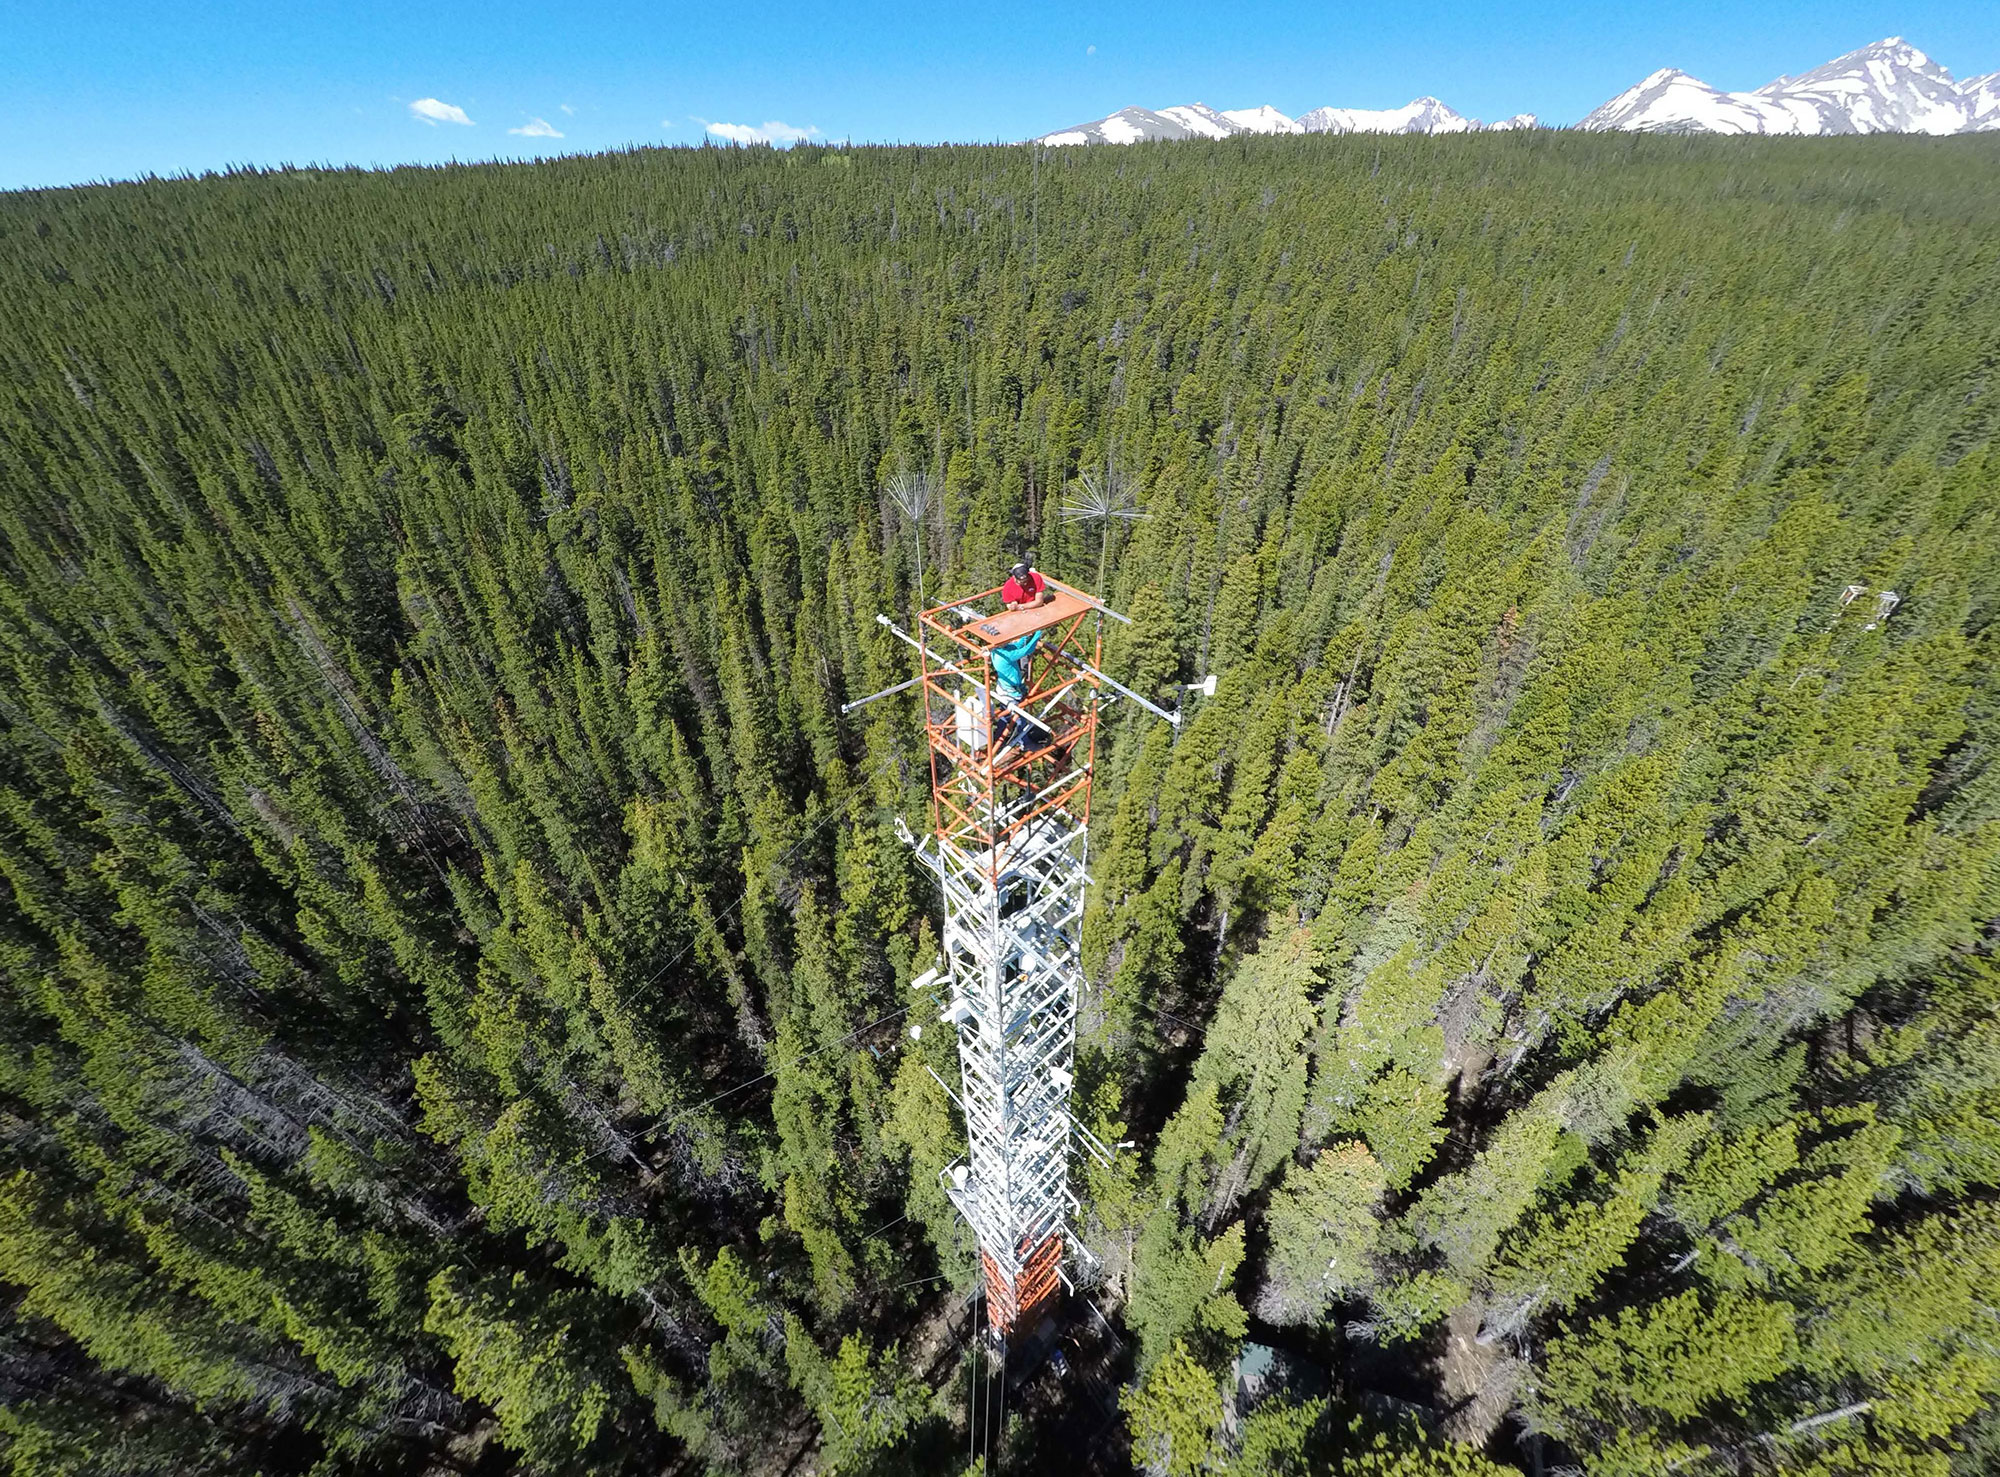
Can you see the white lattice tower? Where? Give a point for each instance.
(1011, 958)
(1009, 845)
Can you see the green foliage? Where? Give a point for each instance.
(1559, 1258)
(1409, 1451)
(1175, 1416)
(1255, 1054)
(1917, 1299)
(1183, 1277)
(1465, 1214)
(454, 938)
(1936, 1066)
(1277, 1440)
(1183, 1288)
(1324, 1231)
(865, 1403)
(536, 1356)
(1672, 1357)
(924, 1132)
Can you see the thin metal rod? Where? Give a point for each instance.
(945, 666)
(947, 1091)
(885, 692)
(1099, 1150)
(1093, 602)
(1000, 1445)
(1120, 688)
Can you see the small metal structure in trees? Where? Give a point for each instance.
(1886, 602)
(1008, 843)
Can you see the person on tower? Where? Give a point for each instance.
(1025, 587)
(1011, 664)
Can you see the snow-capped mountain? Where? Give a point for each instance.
(1670, 101)
(1201, 121)
(1266, 119)
(1198, 120)
(1423, 115)
(1136, 125)
(1982, 96)
(1890, 87)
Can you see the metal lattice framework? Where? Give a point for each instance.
(1008, 843)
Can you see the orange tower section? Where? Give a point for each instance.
(979, 797)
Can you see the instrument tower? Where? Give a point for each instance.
(1010, 812)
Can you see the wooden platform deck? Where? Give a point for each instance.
(1008, 625)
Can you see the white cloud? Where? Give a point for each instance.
(762, 133)
(430, 110)
(567, 109)
(537, 128)
(1090, 51)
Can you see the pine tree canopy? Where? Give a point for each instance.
(455, 947)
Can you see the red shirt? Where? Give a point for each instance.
(1012, 593)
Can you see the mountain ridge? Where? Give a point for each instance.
(1888, 86)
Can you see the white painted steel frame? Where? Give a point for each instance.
(1009, 845)
(1012, 870)
(1013, 971)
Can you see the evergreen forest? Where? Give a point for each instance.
(457, 952)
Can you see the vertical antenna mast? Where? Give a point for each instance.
(911, 491)
(1103, 501)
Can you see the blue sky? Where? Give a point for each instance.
(98, 90)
